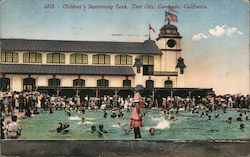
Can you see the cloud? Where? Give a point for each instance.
(219, 31)
(239, 32)
(233, 30)
(199, 37)
(247, 1)
(1, 1)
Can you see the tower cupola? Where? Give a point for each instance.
(168, 31)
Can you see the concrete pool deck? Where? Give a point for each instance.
(125, 148)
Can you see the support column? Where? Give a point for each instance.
(57, 91)
(77, 92)
(96, 93)
(171, 95)
(153, 94)
(190, 93)
(116, 97)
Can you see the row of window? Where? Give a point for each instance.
(76, 58)
(30, 83)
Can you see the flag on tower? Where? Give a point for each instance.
(151, 28)
(170, 17)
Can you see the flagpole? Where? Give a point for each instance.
(165, 21)
(149, 38)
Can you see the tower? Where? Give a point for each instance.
(169, 42)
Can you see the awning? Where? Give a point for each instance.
(66, 69)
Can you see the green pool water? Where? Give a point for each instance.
(188, 126)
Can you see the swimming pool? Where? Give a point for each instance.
(188, 126)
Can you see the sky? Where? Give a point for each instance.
(215, 43)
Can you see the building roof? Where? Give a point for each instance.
(169, 26)
(66, 69)
(146, 47)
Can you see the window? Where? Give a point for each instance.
(147, 60)
(168, 84)
(54, 82)
(148, 65)
(79, 83)
(55, 58)
(102, 83)
(29, 84)
(101, 59)
(149, 84)
(123, 60)
(126, 83)
(32, 57)
(148, 69)
(4, 84)
(9, 57)
(78, 58)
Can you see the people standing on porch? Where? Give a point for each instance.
(193, 102)
(164, 103)
(7, 102)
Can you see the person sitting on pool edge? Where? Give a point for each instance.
(35, 111)
(28, 113)
(63, 128)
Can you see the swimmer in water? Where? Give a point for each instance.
(229, 120)
(152, 131)
(63, 128)
(113, 115)
(172, 117)
(247, 118)
(101, 130)
(69, 114)
(105, 114)
(122, 125)
(93, 129)
(84, 122)
(121, 115)
(217, 115)
(127, 130)
(242, 126)
(239, 118)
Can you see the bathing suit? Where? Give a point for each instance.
(136, 119)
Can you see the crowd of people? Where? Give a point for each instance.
(31, 103)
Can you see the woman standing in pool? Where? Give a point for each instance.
(136, 116)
